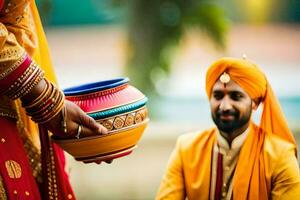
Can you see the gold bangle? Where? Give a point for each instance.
(16, 85)
(55, 111)
(40, 97)
(29, 84)
(33, 83)
(47, 104)
(42, 102)
(64, 119)
(19, 92)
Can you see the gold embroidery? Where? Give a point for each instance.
(34, 158)
(13, 168)
(11, 53)
(7, 108)
(13, 8)
(33, 153)
(5, 112)
(2, 190)
(52, 177)
(14, 66)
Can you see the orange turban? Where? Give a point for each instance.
(254, 82)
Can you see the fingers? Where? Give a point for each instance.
(91, 125)
(86, 132)
(77, 123)
(77, 129)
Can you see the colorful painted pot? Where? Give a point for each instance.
(118, 106)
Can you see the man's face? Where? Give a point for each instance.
(231, 106)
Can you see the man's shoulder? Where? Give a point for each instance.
(274, 142)
(281, 165)
(275, 147)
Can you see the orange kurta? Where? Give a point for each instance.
(189, 169)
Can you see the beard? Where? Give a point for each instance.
(237, 121)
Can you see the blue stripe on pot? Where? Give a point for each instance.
(95, 87)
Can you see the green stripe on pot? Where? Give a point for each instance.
(119, 110)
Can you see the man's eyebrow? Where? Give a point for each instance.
(217, 91)
(228, 91)
(236, 92)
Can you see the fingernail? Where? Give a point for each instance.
(102, 130)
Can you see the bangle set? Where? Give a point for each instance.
(47, 105)
(23, 79)
(32, 76)
(19, 80)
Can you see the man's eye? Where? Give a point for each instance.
(236, 96)
(218, 96)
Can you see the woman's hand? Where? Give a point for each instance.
(70, 122)
(78, 124)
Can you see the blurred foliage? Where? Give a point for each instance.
(155, 29)
(288, 11)
(67, 12)
(261, 12)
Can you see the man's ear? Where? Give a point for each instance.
(255, 103)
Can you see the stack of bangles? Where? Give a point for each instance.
(21, 78)
(47, 105)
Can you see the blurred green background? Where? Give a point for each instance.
(165, 47)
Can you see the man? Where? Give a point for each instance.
(31, 166)
(237, 159)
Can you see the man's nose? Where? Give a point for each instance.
(225, 104)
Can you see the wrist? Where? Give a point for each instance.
(44, 102)
(34, 93)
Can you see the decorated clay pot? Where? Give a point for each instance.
(118, 106)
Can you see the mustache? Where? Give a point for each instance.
(227, 112)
